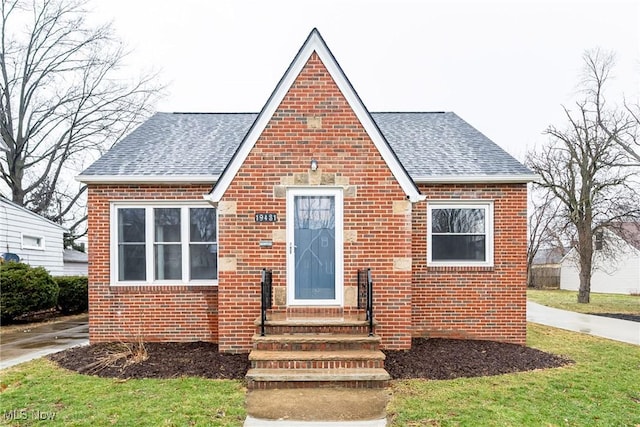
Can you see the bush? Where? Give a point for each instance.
(24, 289)
(74, 294)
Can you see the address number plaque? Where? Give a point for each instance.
(266, 217)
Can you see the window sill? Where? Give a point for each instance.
(161, 287)
(453, 267)
(33, 248)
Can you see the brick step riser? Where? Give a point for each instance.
(317, 364)
(317, 346)
(315, 329)
(270, 385)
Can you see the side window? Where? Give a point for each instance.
(131, 244)
(460, 234)
(32, 242)
(203, 244)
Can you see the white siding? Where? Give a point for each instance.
(621, 276)
(76, 269)
(16, 222)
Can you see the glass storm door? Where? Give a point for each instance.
(314, 247)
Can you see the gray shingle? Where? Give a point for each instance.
(442, 144)
(178, 144)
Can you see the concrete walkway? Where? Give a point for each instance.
(606, 327)
(27, 344)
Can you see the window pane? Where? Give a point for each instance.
(466, 221)
(203, 262)
(168, 262)
(202, 224)
(131, 262)
(131, 225)
(167, 224)
(458, 248)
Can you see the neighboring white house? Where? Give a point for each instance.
(76, 263)
(614, 274)
(36, 240)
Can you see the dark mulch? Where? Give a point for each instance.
(428, 358)
(444, 359)
(166, 360)
(623, 316)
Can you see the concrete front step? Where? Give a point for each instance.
(317, 378)
(346, 359)
(316, 342)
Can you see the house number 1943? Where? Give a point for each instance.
(266, 217)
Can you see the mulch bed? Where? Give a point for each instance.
(445, 359)
(623, 316)
(428, 358)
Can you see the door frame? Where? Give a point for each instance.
(339, 242)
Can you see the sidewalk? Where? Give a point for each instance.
(606, 327)
(27, 344)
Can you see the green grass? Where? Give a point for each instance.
(601, 389)
(40, 387)
(600, 303)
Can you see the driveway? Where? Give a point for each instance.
(27, 344)
(606, 327)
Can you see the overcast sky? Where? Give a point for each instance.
(505, 67)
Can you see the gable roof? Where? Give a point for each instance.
(629, 232)
(315, 44)
(177, 147)
(419, 147)
(546, 256)
(437, 147)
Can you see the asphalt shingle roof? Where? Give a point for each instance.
(429, 145)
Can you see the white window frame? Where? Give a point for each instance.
(40, 247)
(487, 206)
(150, 242)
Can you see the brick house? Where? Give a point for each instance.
(186, 211)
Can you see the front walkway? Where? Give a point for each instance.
(606, 327)
(31, 343)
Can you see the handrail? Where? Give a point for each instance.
(265, 297)
(365, 295)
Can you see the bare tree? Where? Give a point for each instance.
(589, 172)
(622, 125)
(546, 228)
(64, 97)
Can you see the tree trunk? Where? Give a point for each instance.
(585, 244)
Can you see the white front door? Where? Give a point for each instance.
(314, 246)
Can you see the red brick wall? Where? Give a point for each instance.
(153, 313)
(345, 153)
(481, 303)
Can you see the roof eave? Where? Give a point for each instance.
(147, 179)
(476, 179)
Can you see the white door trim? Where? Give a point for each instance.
(339, 261)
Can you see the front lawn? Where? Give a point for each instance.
(40, 390)
(601, 389)
(600, 303)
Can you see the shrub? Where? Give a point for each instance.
(24, 289)
(74, 294)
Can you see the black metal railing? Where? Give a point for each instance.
(265, 293)
(365, 295)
